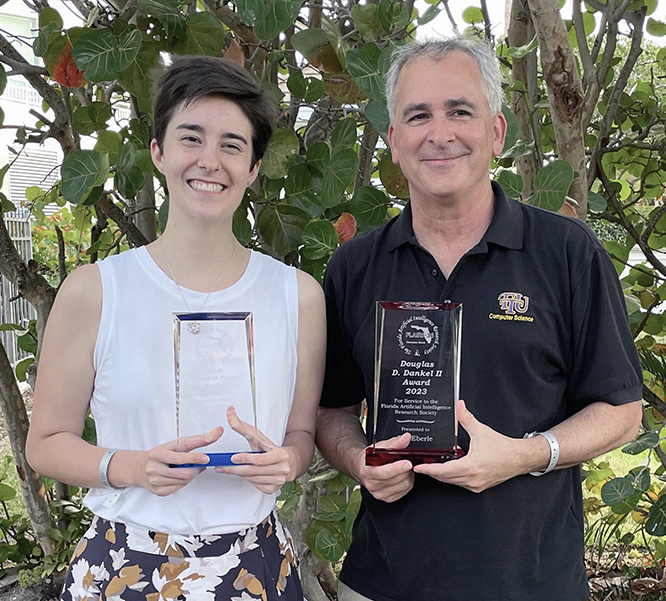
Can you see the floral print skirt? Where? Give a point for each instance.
(117, 562)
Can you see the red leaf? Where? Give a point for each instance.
(65, 71)
(346, 227)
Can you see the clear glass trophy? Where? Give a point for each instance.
(417, 381)
(214, 361)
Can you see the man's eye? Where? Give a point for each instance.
(192, 139)
(232, 147)
(418, 117)
(461, 113)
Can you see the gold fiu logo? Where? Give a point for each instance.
(513, 302)
(514, 306)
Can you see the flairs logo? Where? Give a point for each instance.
(418, 336)
(514, 305)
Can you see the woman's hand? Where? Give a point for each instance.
(268, 470)
(157, 477)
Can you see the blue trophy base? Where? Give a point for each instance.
(216, 460)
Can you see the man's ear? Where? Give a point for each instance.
(392, 145)
(499, 133)
(156, 155)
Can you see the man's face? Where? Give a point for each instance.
(443, 135)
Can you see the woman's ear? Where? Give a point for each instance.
(156, 155)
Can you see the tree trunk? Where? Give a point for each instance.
(521, 32)
(145, 209)
(32, 487)
(565, 92)
(313, 571)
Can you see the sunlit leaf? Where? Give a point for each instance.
(647, 440)
(616, 490)
(250, 11)
(205, 35)
(320, 239)
(282, 227)
(377, 113)
(368, 206)
(81, 171)
(363, 68)
(91, 118)
(472, 15)
(656, 522)
(282, 147)
(96, 54)
(523, 51)
(278, 15)
(366, 19)
(551, 185)
(511, 182)
(344, 134)
(129, 176)
(338, 174)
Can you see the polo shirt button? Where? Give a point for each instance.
(434, 273)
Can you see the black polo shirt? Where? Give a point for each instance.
(545, 333)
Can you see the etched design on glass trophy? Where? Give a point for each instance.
(214, 369)
(417, 381)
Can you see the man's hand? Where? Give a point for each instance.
(389, 482)
(492, 459)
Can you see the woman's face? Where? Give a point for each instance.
(207, 158)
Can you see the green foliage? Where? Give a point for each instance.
(337, 499)
(328, 159)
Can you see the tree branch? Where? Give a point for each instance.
(583, 51)
(653, 400)
(450, 16)
(16, 420)
(624, 221)
(565, 92)
(614, 102)
(486, 22)
(109, 208)
(30, 284)
(61, 129)
(62, 269)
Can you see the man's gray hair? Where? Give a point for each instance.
(435, 50)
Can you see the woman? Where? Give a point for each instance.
(182, 532)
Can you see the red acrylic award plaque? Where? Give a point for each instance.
(417, 381)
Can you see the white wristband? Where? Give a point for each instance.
(104, 467)
(554, 451)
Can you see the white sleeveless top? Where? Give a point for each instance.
(133, 400)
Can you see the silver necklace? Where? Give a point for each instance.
(194, 327)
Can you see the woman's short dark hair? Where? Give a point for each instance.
(189, 78)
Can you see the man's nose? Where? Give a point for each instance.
(441, 130)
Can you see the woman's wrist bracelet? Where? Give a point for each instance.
(104, 467)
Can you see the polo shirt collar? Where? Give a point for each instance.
(506, 227)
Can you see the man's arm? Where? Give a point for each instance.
(342, 442)
(494, 458)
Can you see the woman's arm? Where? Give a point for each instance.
(270, 470)
(64, 387)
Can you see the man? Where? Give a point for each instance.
(479, 528)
